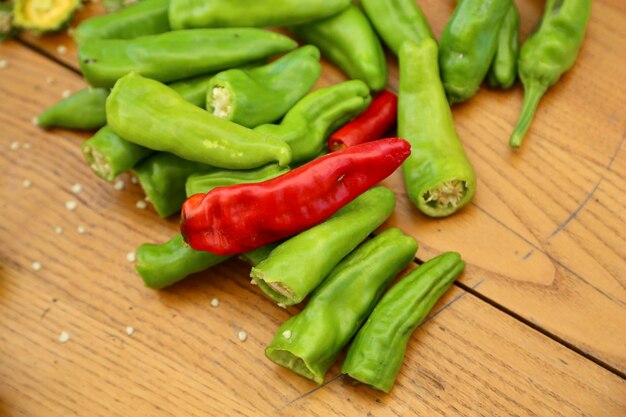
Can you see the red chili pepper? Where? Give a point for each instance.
(379, 117)
(240, 218)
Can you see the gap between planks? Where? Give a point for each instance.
(468, 289)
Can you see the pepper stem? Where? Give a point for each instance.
(532, 96)
(222, 102)
(447, 194)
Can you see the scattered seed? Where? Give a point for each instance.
(134, 180)
(281, 305)
(64, 337)
(287, 334)
(62, 49)
(58, 230)
(15, 146)
(71, 205)
(76, 188)
(50, 80)
(129, 330)
(81, 230)
(36, 266)
(146, 198)
(242, 335)
(3, 63)
(27, 145)
(131, 257)
(215, 302)
(141, 204)
(26, 183)
(253, 282)
(66, 93)
(119, 185)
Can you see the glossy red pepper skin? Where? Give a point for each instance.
(241, 218)
(378, 118)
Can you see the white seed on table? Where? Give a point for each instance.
(119, 185)
(81, 230)
(50, 80)
(281, 305)
(242, 335)
(134, 180)
(71, 205)
(15, 146)
(35, 121)
(36, 266)
(129, 330)
(26, 183)
(215, 302)
(62, 49)
(287, 334)
(27, 145)
(64, 337)
(131, 257)
(3, 63)
(66, 93)
(141, 204)
(58, 230)
(76, 188)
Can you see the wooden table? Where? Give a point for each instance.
(535, 326)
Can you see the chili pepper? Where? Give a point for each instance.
(82, 110)
(108, 155)
(147, 17)
(348, 40)
(439, 177)
(153, 115)
(176, 55)
(167, 263)
(310, 342)
(222, 221)
(203, 183)
(187, 14)
(264, 94)
(547, 54)
(377, 352)
(162, 177)
(378, 118)
(308, 124)
(297, 266)
(468, 45)
(396, 21)
(503, 70)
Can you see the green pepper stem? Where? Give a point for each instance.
(532, 96)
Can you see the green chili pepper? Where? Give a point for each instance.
(108, 155)
(309, 342)
(203, 183)
(153, 115)
(503, 70)
(264, 94)
(162, 177)
(147, 17)
(167, 263)
(547, 54)
(307, 126)
(439, 177)
(348, 40)
(396, 21)
(176, 55)
(187, 14)
(300, 264)
(468, 45)
(82, 110)
(377, 352)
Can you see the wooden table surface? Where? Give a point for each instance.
(536, 326)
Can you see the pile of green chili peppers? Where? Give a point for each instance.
(189, 96)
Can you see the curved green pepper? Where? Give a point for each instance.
(547, 54)
(377, 352)
(153, 115)
(468, 45)
(297, 266)
(203, 183)
(176, 55)
(82, 110)
(439, 177)
(306, 127)
(503, 70)
(396, 21)
(162, 177)
(264, 94)
(187, 14)
(348, 40)
(309, 342)
(161, 265)
(147, 17)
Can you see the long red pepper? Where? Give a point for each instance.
(240, 218)
(378, 118)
